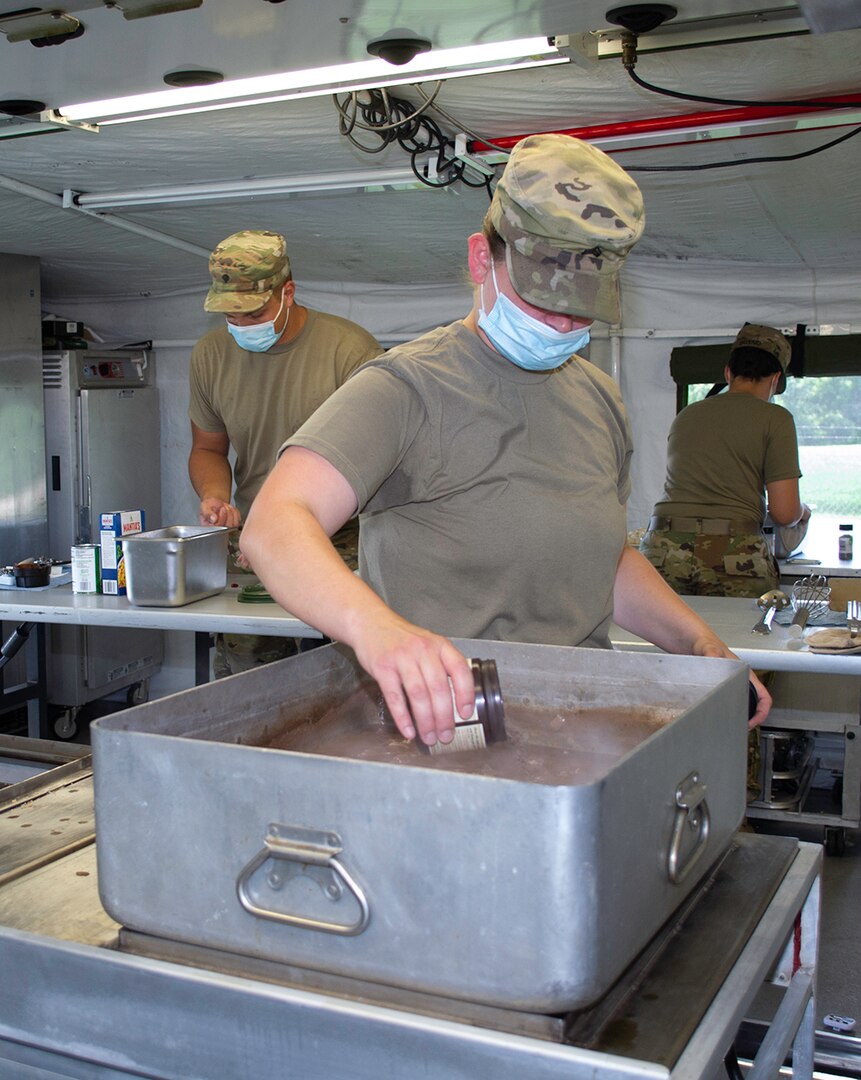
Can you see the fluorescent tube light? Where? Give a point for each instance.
(218, 190)
(338, 78)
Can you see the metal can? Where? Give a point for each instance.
(487, 723)
(85, 568)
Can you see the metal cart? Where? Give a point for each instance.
(813, 716)
(89, 1000)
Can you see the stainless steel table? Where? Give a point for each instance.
(821, 543)
(80, 1005)
(812, 693)
(731, 618)
(216, 614)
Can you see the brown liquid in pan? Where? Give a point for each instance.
(546, 746)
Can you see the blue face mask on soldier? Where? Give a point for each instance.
(260, 336)
(523, 339)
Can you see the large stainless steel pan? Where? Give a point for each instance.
(523, 894)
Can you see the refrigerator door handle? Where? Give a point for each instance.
(84, 518)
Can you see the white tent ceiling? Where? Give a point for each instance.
(803, 214)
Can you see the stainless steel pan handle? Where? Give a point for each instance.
(312, 852)
(692, 812)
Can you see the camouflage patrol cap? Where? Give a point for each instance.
(569, 215)
(768, 340)
(246, 269)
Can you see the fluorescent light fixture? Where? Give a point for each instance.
(219, 190)
(339, 78)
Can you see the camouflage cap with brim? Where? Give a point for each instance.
(569, 216)
(768, 340)
(246, 269)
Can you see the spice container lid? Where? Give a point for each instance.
(488, 699)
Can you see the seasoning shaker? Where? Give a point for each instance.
(844, 542)
(486, 724)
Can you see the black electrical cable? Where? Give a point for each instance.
(743, 161)
(824, 104)
(739, 101)
(382, 106)
(462, 127)
(390, 119)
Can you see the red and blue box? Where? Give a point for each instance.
(113, 526)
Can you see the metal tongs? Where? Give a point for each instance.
(770, 602)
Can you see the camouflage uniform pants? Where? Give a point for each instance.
(242, 652)
(702, 564)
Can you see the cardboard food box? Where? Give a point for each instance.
(113, 526)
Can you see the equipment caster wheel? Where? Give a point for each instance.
(835, 841)
(138, 693)
(66, 724)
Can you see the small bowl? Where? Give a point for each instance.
(32, 575)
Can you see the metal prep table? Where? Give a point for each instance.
(812, 693)
(89, 1000)
(60, 606)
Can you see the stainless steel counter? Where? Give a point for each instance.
(80, 1004)
(731, 618)
(821, 544)
(215, 614)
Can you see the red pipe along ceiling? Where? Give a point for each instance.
(683, 122)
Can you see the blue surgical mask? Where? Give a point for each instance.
(523, 339)
(261, 336)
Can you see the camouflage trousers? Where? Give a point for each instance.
(702, 564)
(242, 652)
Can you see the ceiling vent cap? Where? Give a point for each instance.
(641, 18)
(21, 107)
(193, 77)
(398, 50)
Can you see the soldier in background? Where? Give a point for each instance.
(253, 382)
(727, 456)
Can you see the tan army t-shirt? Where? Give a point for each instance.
(259, 399)
(492, 498)
(722, 452)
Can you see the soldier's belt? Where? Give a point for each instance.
(709, 526)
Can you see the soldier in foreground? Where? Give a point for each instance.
(492, 491)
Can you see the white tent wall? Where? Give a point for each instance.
(665, 304)
(175, 322)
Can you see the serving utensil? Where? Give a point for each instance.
(853, 617)
(810, 598)
(770, 602)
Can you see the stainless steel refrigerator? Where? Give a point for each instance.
(23, 517)
(102, 443)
